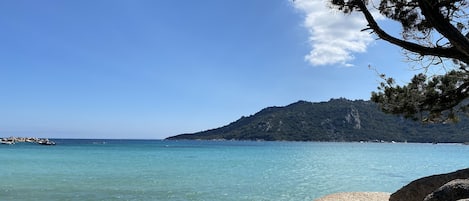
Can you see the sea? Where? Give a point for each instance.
(84, 169)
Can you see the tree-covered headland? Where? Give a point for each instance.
(334, 120)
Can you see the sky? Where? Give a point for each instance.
(149, 69)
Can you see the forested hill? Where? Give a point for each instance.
(335, 120)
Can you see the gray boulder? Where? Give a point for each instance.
(420, 188)
(455, 190)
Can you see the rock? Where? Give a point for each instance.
(455, 190)
(420, 188)
(14, 140)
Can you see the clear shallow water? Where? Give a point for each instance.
(206, 170)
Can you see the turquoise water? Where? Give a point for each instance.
(206, 170)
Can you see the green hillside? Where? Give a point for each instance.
(335, 120)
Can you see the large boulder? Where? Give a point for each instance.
(420, 188)
(455, 190)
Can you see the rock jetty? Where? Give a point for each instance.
(14, 140)
(435, 188)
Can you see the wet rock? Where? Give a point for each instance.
(417, 190)
(455, 190)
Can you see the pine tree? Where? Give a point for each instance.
(432, 30)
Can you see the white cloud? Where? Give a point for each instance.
(334, 36)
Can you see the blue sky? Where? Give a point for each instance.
(152, 69)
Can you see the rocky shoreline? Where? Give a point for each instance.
(34, 140)
(453, 186)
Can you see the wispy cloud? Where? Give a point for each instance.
(334, 37)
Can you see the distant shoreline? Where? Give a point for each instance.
(363, 141)
(13, 140)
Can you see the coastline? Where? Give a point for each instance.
(356, 196)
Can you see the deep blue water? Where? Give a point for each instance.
(214, 170)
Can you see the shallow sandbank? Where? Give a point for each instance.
(356, 196)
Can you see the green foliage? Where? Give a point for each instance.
(439, 99)
(335, 120)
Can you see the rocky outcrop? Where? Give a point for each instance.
(455, 190)
(353, 117)
(14, 140)
(420, 188)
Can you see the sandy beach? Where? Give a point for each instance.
(356, 196)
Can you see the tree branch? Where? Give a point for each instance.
(450, 52)
(433, 14)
